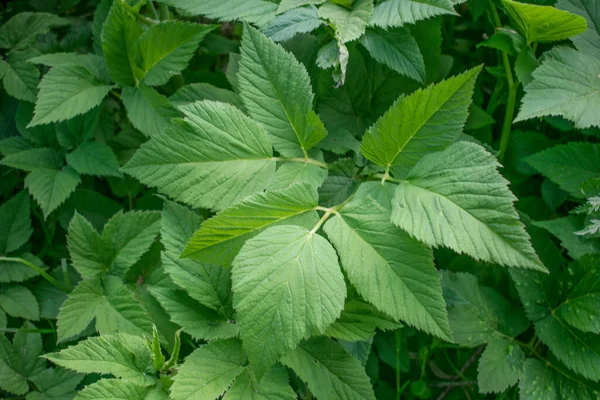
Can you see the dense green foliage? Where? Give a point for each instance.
(300, 199)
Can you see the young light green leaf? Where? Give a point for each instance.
(18, 301)
(220, 238)
(209, 371)
(120, 33)
(207, 283)
(533, 21)
(477, 313)
(500, 366)
(431, 205)
(567, 85)
(94, 158)
(15, 220)
(199, 321)
(424, 122)
(568, 165)
(287, 286)
(148, 110)
(276, 91)
(50, 188)
(329, 371)
(349, 23)
(391, 270)
(80, 308)
(65, 92)
(23, 29)
(86, 248)
(394, 13)
(293, 22)
(216, 156)
(122, 355)
(397, 49)
(165, 49)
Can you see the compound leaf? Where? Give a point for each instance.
(394, 13)
(457, 199)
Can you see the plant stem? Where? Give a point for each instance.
(165, 14)
(303, 160)
(513, 87)
(398, 339)
(137, 15)
(38, 270)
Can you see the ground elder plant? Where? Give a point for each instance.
(324, 199)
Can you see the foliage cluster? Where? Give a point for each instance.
(330, 199)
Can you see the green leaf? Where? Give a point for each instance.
(50, 188)
(207, 283)
(14, 271)
(579, 351)
(216, 157)
(500, 366)
(394, 13)
(274, 385)
(358, 322)
(286, 5)
(119, 37)
(589, 41)
(544, 23)
(126, 237)
(293, 22)
(581, 308)
(41, 158)
(93, 63)
(204, 91)
(109, 302)
(23, 29)
(57, 383)
(477, 313)
(117, 389)
(199, 321)
(14, 379)
(431, 205)
(329, 371)
(389, 269)
(295, 173)
(564, 229)
(94, 158)
(255, 11)
(165, 49)
(209, 371)
(129, 235)
(567, 85)
(148, 110)
(122, 355)
(397, 49)
(349, 23)
(569, 165)
(424, 122)
(21, 80)
(220, 238)
(15, 220)
(541, 380)
(65, 92)
(287, 286)
(276, 91)
(17, 301)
